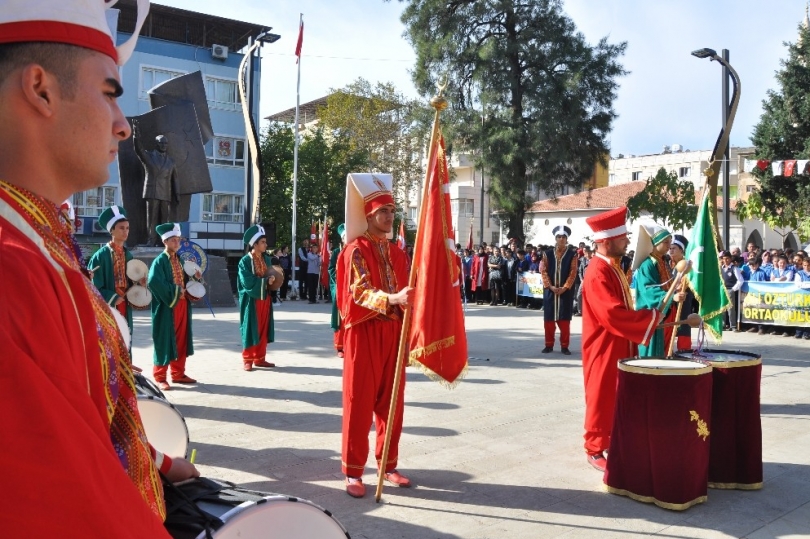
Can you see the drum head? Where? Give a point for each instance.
(165, 427)
(666, 366)
(136, 269)
(145, 386)
(724, 358)
(139, 296)
(279, 517)
(191, 268)
(196, 289)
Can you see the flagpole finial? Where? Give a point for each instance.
(439, 102)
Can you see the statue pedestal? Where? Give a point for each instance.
(217, 285)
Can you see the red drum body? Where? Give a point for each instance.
(659, 447)
(735, 460)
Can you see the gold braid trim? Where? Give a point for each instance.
(413, 361)
(737, 486)
(659, 503)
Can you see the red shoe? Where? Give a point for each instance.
(184, 380)
(263, 363)
(397, 479)
(598, 461)
(355, 487)
(247, 365)
(164, 385)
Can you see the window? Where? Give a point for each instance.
(152, 76)
(91, 203)
(222, 208)
(611, 179)
(636, 175)
(684, 172)
(412, 215)
(222, 94)
(749, 188)
(462, 206)
(227, 151)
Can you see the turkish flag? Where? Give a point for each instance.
(300, 41)
(470, 241)
(437, 338)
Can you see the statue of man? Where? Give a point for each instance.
(158, 186)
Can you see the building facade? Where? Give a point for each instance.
(175, 42)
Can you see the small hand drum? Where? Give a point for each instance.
(139, 296)
(191, 268)
(136, 270)
(195, 289)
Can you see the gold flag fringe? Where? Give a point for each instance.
(413, 361)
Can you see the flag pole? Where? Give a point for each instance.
(295, 154)
(439, 103)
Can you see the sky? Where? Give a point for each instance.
(669, 97)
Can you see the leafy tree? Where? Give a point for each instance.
(547, 94)
(323, 164)
(381, 123)
(782, 133)
(667, 199)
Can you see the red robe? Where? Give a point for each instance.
(368, 269)
(60, 400)
(480, 273)
(610, 327)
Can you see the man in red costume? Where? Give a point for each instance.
(611, 328)
(372, 293)
(73, 440)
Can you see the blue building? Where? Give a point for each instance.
(174, 42)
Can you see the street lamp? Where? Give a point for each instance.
(729, 110)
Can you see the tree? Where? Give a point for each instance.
(667, 199)
(322, 168)
(783, 133)
(548, 95)
(381, 123)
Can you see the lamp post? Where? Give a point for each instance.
(264, 37)
(729, 109)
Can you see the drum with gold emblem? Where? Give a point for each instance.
(736, 449)
(659, 446)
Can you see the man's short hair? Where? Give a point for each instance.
(57, 58)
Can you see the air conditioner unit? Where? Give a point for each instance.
(220, 52)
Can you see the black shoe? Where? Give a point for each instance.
(521, 306)
(566, 352)
(547, 349)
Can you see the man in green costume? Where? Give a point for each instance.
(108, 265)
(333, 259)
(653, 280)
(171, 312)
(255, 276)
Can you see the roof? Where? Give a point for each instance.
(308, 112)
(603, 198)
(189, 27)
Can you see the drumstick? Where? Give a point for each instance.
(693, 320)
(193, 456)
(683, 266)
(671, 347)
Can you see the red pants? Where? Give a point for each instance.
(565, 332)
(178, 365)
(338, 339)
(369, 365)
(258, 351)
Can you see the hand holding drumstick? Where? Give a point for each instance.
(693, 320)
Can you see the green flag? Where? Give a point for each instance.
(705, 278)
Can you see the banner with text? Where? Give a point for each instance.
(530, 284)
(780, 304)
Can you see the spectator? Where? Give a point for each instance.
(494, 264)
(466, 265)
(509, 277)
(286, 264)
(302, 270)
(582, 265)
(766, 266)
(733, 281)
(802, 279)
(522, 267)
(757, 274)
(313, 273)
(480, 275)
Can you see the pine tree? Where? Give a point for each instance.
(782, 133)
(547, 93)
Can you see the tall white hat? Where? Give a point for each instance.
(365, 194)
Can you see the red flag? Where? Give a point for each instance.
(437, 338)
(300, 41)
(470, 241)
(401, 235)
(325, 254)
(313, 234)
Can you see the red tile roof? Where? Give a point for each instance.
(603, 198)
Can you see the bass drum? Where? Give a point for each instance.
(204, 507)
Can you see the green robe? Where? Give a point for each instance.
(165, 295)
(333, 287)
(252, 288)
(648, 296)
(104, 279)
